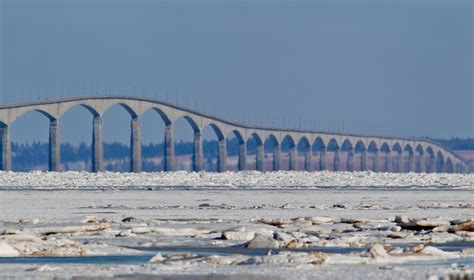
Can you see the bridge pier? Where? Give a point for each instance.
(292, 162)
(277, 158)
(54, 163)
(350, 160)
(336, 160)
(401, 162)
(97, 144)
(197, 152)
(169, 148)
(260, 157)
(322, 159)
(136, 145)
(376, 162)
(432, 164)
(308, 159)
(242, 165)
(388, 162)
(5, 145)
(222, 157)
(363, 160)
(447, 169)
(440, 164)
(421, 163)
(411, 163)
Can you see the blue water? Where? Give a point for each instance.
(245, 251)
(103, 260)
(149, 252)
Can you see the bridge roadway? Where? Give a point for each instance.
(387, 153)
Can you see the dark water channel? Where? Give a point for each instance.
(149, 252)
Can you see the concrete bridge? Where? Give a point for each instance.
(386, 153)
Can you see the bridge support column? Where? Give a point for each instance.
(322, 160)
(432, 166)
(439, 164)
(292, 163)
(459, 168)
(376, 165)
(222, 157)
(242, 165)
(5, 145)
(277, 158)
(447, 169)
(363, 160)
(169, 148)
(411, 163)
(136, 145)
(260, 157)
(350, 160)
(308, 159)
(421, 163)
(388, 162)
(54, 146)
(97, 144)
(197, 152)
(401, 162)
(336, 160)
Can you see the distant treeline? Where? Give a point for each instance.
(116, 155)
(457, 143)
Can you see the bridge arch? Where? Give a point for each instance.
(410, 166)
(319, 148)
(408, 148)
(255, 151)
(399, 161)
(361, 151)
(386, 151)
(318, 144)
(305, 148)
(197, 157)
(183, 143)
(272, 146)
(89, 108)
(373, 149)
(211, 153)
(360, 146)
(160, 113)
(288, 145)
(126, 129)
(127, 108)
(36, 123)
(50, 116)
(397, 148)
(385, 148)
(333, 147)
(72, 121)
(420, 166)
(217, 131)
(348, 151)
(236, 151)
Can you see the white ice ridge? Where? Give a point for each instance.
(231, 180)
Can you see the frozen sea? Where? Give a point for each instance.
(247, 225)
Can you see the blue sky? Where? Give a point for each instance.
(403, 68)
